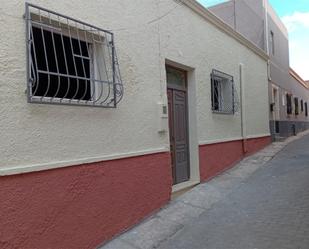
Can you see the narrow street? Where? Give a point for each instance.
(269, 210)
(261, 203)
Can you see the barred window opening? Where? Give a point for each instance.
(223, 93)
(65, 81)
(289, 103)
(296, 103)
(70, 62)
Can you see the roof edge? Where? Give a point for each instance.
(219, 23)
(298, 78)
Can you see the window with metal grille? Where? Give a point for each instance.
(272, 42)
(70, 62)
(302, 106)
(223, 94)
(306, 109)
(289, 103)
(296, 103)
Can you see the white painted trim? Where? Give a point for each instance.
(62, 164)
(192, 126)
(242, 101)
(258, 136)
(224, 140)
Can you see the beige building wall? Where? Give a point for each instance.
(147, 33)
(194, 42)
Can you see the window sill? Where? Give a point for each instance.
(223, 113)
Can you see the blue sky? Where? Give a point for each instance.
(295, 15)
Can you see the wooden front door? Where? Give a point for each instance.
(178, 124)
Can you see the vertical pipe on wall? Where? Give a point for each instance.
(235, 22)
(161, 61)
(265, 5)
(243, 107)
(266, 39)
(266, 34)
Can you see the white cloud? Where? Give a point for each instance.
(296, 20)
(298, 27)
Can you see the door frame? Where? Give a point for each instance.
(191, 126)
(171, 87)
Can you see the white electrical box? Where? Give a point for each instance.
(163, 117)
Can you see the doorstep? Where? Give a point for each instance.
(182, 188)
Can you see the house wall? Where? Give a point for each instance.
(245, 16)
(203, 48)
(292, 123)
(81, 206)
(284, 81)
(301, 92)
(48, 134)
(76, 176)
(248, 17)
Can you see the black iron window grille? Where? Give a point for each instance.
(306, 109)
(70, 62)
(296, 103)
(224, 98)
(302, 106)
(289, 108)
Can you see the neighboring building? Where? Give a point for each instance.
(192, 101)
(258, 22)
(294, 106)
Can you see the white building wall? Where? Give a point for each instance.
(196, 43)
(146, 33)
(37, 134)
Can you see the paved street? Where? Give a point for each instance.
(269, 210)
(261, 203)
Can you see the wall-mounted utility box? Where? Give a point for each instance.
(163, 117)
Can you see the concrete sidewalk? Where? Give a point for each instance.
(183, 212)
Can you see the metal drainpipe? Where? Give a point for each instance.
(265, 4)
(266, 38)
(242, 108)
(235, 21)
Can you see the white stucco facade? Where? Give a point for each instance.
(148, 34)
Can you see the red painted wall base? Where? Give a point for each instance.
(216, 158)
(80, 207)
(256, 144)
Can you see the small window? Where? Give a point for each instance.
(70, 62)
(283, 99)
(223, 94)
(289, 103)
(176, 78)
(302, 106)
(306, 109)
(272, 42)
(296, 103)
